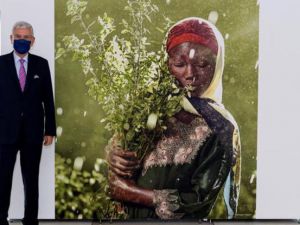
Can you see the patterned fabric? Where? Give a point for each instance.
(217, 117)
(179, 145)
(235, 173)
(22, 75)
(166, 202)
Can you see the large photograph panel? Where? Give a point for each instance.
(93, 37)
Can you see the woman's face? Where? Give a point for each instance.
(193, 65)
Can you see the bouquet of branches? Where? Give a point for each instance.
(131, 83)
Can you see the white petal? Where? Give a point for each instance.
(213, 17)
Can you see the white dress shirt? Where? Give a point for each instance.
(18, 64)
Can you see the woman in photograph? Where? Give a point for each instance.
(199, 152)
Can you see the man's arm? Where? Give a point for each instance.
(48, 100)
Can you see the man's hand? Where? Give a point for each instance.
(48, 140)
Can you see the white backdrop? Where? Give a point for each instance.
(41, 15)
(278, 183)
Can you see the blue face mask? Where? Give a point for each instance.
(22, 46)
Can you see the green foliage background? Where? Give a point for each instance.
(79, 116)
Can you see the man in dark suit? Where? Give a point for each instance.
(27, 119)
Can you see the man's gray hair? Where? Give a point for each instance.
(22, 24)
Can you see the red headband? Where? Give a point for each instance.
(192, 30)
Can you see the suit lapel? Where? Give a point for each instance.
(12, 72)
(29, 73)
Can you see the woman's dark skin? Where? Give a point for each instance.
(192, 65)
(122, 166)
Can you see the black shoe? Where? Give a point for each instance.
(30, 222)
(4, 222)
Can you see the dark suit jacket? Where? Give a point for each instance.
(34, 107)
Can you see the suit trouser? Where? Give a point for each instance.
(30, 155)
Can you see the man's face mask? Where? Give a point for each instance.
(22, 46)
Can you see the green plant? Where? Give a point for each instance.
(132, 84)
(81, 194)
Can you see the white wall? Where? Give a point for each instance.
(278, 187)
(40, 13)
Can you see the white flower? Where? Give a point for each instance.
(97, 167)
(100, 161)
(192, 53)
(92, 181)
(213, 17)
(152, 120)
(59, 131)
(59, 111)
(78, 163)
(126, 126)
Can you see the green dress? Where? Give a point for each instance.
(190, 164)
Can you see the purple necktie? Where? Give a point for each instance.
(22, 74)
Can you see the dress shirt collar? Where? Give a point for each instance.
(17, 58)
